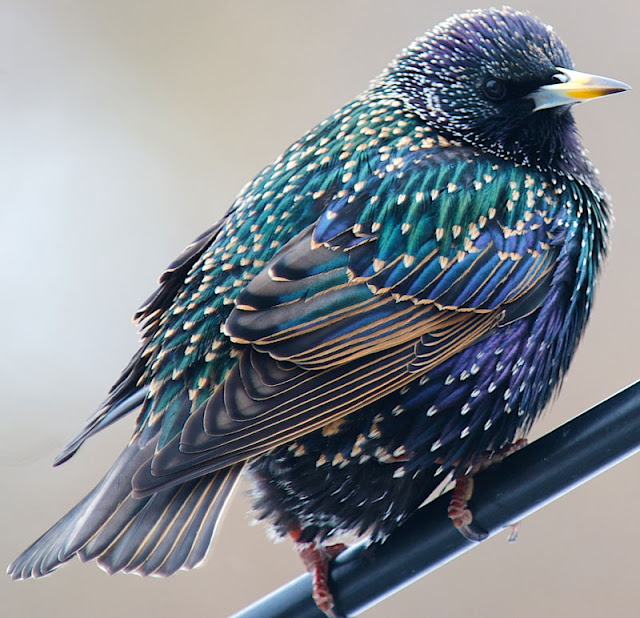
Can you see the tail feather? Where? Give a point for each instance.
(185, 547)
(154, 535)
(174, 549)
(136, 532)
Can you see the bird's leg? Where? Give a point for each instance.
(316, 558)
(458, 510)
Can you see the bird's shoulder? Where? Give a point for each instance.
(374, 168)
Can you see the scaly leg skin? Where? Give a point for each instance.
(459, 511)
(316, 558)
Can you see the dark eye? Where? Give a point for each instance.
(494, 89)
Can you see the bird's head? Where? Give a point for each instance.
(501, 80)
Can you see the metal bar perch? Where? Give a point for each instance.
(505, 493)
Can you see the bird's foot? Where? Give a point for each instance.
(459, 511)
(316, 558)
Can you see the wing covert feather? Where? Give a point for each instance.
(355, 307)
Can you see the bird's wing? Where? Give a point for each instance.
(386, 285)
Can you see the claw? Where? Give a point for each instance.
(316, 558)
(460, 514)
(513, 532)
(458, 510)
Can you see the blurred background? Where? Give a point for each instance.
(126, 128)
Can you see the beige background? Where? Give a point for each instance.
(126, 128)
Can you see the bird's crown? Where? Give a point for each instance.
(500, 80)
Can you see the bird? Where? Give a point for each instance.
(389, 304)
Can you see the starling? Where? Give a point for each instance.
(397, 295)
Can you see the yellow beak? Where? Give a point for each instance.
(574, 87)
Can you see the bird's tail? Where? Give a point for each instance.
(154, 535)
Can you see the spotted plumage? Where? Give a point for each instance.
(398, 293)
